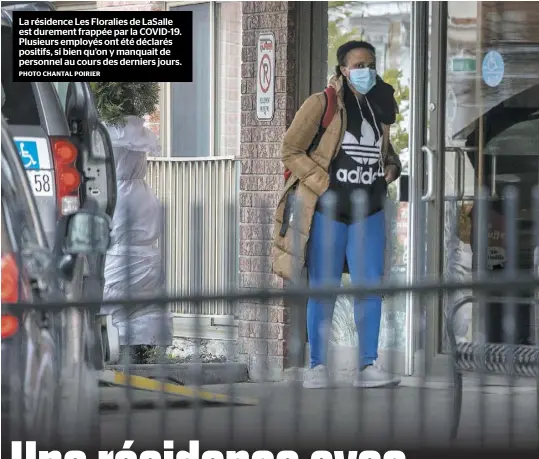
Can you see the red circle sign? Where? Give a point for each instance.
(264, 73)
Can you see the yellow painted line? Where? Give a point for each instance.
(152, 385)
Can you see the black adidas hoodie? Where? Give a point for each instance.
(356, 165)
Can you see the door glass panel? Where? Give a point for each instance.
(492, 132)
(190, 129)
(387, 27)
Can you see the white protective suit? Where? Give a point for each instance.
(136, 230)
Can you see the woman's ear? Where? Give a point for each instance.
(344, 71)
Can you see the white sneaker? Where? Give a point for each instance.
(316, 378)
(371, 377)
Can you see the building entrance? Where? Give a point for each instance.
(464, 75)
(479, 135)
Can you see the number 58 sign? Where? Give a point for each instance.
(41, 182)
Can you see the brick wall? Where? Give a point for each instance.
(262, 325)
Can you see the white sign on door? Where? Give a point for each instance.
(265, 77)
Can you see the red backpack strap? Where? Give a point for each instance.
(331, 106)
(329, 112)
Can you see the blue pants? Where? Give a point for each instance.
(362, 245)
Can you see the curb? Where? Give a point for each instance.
(191, 373)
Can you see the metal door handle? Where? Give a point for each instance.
(459, 174)
(429, 195)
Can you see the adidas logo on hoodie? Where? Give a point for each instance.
(366, 153)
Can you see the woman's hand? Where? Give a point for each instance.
(391, 173)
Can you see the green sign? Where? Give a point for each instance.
(463, 64)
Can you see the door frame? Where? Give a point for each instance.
(427, 188)
(419, 44)
(311, 50)
(435, 208)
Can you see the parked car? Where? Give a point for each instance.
(50, 356)
(65, 150)
(29, 339)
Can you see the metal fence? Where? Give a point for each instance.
(422, 412)
(213, 184)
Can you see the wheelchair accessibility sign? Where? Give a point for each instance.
(34, 152)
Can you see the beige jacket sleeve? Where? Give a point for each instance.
(297, 141)
(391, 158)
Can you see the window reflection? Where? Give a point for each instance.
(495, 117)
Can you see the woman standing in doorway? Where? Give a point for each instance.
(353, 153)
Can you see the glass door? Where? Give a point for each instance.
(387, 26)
(481, 130)
(427, 182)
(492, 99)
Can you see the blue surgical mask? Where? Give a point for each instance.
(363, 80)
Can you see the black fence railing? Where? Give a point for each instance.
(484, 394)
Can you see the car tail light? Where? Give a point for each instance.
(10, 325)
(13, 290)
(68, 178)
(10, 280)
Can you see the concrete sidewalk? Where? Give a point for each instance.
(473, 382)
(289, 416)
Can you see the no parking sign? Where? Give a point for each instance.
(265, 77)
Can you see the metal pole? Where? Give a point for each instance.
(439, 62)
(436, 206)
(479, 101)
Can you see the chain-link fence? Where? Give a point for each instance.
(483, 394)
